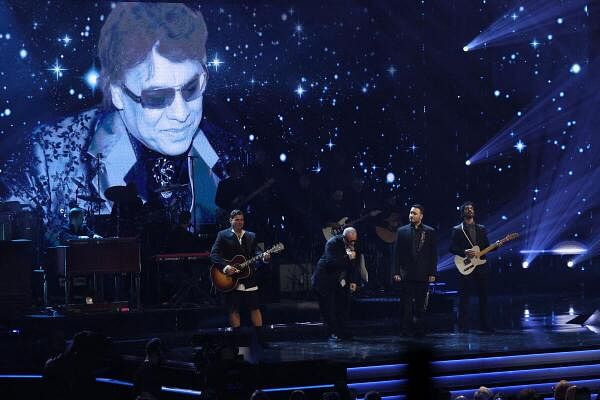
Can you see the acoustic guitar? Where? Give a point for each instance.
(226, 283)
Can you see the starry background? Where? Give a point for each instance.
(378, 90)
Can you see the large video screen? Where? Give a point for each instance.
(302, 114)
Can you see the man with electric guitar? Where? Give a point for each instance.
(229, 245)
(469, 243)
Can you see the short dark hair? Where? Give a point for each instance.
(372, 395)
(131, 31)
(154, 346)
(235, 212)
(464, 205)
(75, 212)
(420, 207)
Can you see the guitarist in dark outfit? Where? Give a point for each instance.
(415, 261)
(229, 243)
(464, 236)
(335, 279)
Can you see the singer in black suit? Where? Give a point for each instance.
(229, 243)
(415, 262)
(464, 236)
(335, 279)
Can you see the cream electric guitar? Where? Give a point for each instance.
(466, 265)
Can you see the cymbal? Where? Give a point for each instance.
(91, 199)
(171, 188)
(118, 194)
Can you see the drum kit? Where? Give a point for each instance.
(129, 214)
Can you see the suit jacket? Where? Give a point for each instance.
(335, 265)
(459, 243)
(415, 266)
(227, 246)
(45, 162)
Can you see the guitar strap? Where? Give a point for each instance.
(462, 226)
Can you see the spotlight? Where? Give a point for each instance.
(575, 68)
(466, 48)
(525, 264)
(570, 263)
(468, 162)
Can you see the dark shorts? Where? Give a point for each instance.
(238, 298)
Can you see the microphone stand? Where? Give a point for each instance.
(193, 205)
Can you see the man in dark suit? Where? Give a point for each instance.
(229, 243)
(464, 236)
(335, 279)
(415, 261)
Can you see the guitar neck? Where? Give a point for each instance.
(488, 249)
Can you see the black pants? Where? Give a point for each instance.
(335, 309)
(413, 306)
(468, 283)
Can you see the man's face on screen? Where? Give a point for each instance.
(165, 126)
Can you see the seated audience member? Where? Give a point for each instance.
(259, 395)
(297, 395)
(527, 394)
(331, 396)
(372, 395)
(560, 389)
(148, 379)
(483, 393)
(71, 374)
(578, 393)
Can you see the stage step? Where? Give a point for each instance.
(504, 374)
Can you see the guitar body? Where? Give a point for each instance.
(467, 265)
(387, 231)
(226, 283)
(329, 232)
(385, 234)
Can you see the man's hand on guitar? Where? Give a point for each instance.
(266, 257)
(229, 270)
(470, 253)
(397, 278)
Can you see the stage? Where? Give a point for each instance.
(533, 345)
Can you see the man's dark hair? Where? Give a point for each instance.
(372, 395)
(464, 205)
(131, 31)
(420, 207)
(75, 212)
(235, 212)
(154, 346)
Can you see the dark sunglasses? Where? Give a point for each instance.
(163, 97)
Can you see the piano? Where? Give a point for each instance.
(92, 256)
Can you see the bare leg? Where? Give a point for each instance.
(255, 316)
(234, 319)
